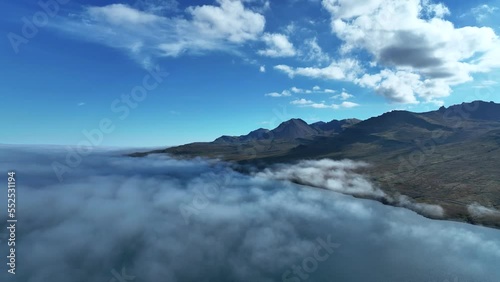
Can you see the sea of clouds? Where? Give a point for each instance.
(117, 218)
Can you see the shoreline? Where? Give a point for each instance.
(249, 169)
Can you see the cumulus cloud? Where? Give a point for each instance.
(343, 96)
(162, 219)
(146, 35)
(417, 54)
(424, 55)
(297, 90)
(347, 104)
(262, 68)
(277, 46)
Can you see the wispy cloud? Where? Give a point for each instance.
(346, 69)
(145, 35)
(277, 46)
(483, 11)
(323, 105)
(284, 93)
(295, 90)
(312, 52)
(314, 89)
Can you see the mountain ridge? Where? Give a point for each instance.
(445, 157)
(291, 129)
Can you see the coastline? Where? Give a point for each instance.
(252, 167)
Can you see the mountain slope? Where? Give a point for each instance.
(448, 157)
(293, 129)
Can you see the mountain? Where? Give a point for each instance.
(290, 131)
(334, 126)
(293, 129)
(448, 157)
(259, 134)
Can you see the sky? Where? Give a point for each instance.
(161, 73)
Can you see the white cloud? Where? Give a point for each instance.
(230, 21)
(346, 69)
(301, 102)
(343, 96)
(262, 69)
(438, 10)
(405, 86)
(144, 35)
(485, 84)
(347, 104)
(296, 90)
(477, 210)
(284, 93)
(311, 51)
(208, 222)
(338, 176)
(422, 208)
(483, 11)
(322, 105)
(81, 104)
(290, 28)
(157, 6)
(277, 46)
(300, 90)
(117, 14)
(314, 90)
(417, 55)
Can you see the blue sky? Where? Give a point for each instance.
(234, 65)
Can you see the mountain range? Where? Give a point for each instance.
(449, 157)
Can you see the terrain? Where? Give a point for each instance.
(449, 157)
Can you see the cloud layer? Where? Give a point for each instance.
(342, 177)
(168, 220)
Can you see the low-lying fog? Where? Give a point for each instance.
(108, 218)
